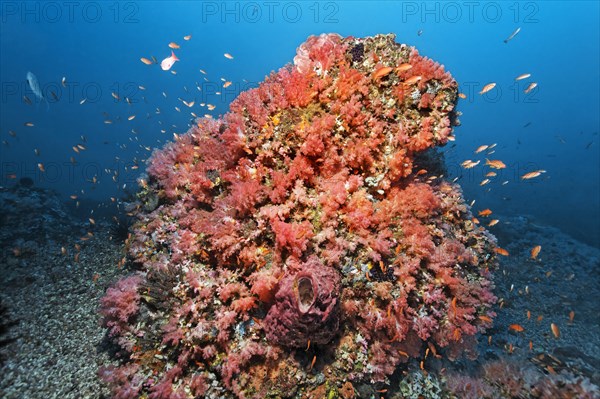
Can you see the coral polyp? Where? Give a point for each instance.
(304, 242)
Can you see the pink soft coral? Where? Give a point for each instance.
(308, 217)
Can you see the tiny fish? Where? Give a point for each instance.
(484, 182)
(146, 61)
(404, 67)
(491, 174)
(532, 175)
(28, 124)
(485, 318)
(132, 117)
(188, 37)
(41, 167)
(35, 88)
(495, 164)
(487, 88)
(226, 84)
(174, 45)
(571, 316)
(493, 222)
(501, 251)
(381, 72)
(535, 251)
(168, 62)
(516, 328)
(515, 33)
(523, 76)
(412, 80)
(481, 148)
(531, 86)
(64, 81)
(462, 95)
(555, 330)
(468, 164)
(229, 56)
(485, 212)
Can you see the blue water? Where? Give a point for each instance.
(97, 46)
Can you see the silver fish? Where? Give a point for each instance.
(35, 88)
(515, 33)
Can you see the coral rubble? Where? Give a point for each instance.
(298, 246)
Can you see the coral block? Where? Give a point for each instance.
(304, 234)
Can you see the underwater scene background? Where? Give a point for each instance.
(177, 220)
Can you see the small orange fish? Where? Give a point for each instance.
(487, 88)
(92, 221)
(131, 117)
(412, 80)
(174, 45)
(571, 316)
(468, 164)
(555, 330)
(226, 84)
(462, 95)
(168, 62)
(404, 67)
(535, 251)
(495, 163)
(501, 251)
(485, 318)
(484, 182)
(485, 212)
(312, 363)
(456, 334)
(41, 167)
(381, 72)
(516, 328)
(528, 314)
(188, 37)
(533, 174)
(491, 174)
(481, 148)
(228, 56)
(530, 346)
(531, 86)
(146, 61)
(493, 223)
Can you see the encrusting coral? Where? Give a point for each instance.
(299, 245)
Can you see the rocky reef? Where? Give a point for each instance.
(304, 244)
